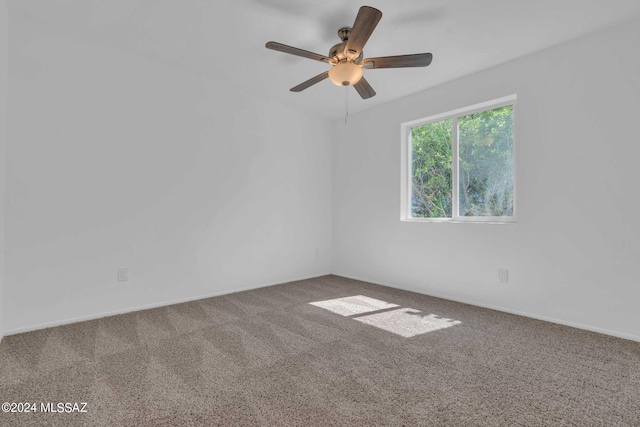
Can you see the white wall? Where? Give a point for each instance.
(573, 254)
(4, 53)
(113, 159)
(116, 160)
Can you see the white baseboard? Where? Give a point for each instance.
(248, 288)
(503, 309)
(146, 307)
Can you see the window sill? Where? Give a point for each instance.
(471, 220)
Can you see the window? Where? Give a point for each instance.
(459, 166)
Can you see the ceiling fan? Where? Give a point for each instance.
(346, 60)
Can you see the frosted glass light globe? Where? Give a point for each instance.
(345, 74)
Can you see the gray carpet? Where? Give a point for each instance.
(269, 357)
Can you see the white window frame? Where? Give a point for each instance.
(406, 178)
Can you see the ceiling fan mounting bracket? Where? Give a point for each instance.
(344, 33)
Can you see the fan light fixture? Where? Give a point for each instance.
(345, 73)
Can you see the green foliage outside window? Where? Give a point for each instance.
(431, 169)
(485, 168)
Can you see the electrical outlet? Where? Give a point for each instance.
(123, 274)
(503, 275)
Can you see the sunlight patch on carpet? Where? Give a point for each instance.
(348, 306)
(407, 322)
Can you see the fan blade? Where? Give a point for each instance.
(295, 51)
(364, 89)
(310, 82)
(366, 21)
(400, 61)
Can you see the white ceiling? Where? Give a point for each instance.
(225, 39)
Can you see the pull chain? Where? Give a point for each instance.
(346, 103)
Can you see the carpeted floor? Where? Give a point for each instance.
(361, 354)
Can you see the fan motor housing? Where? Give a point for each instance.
(337, 51)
